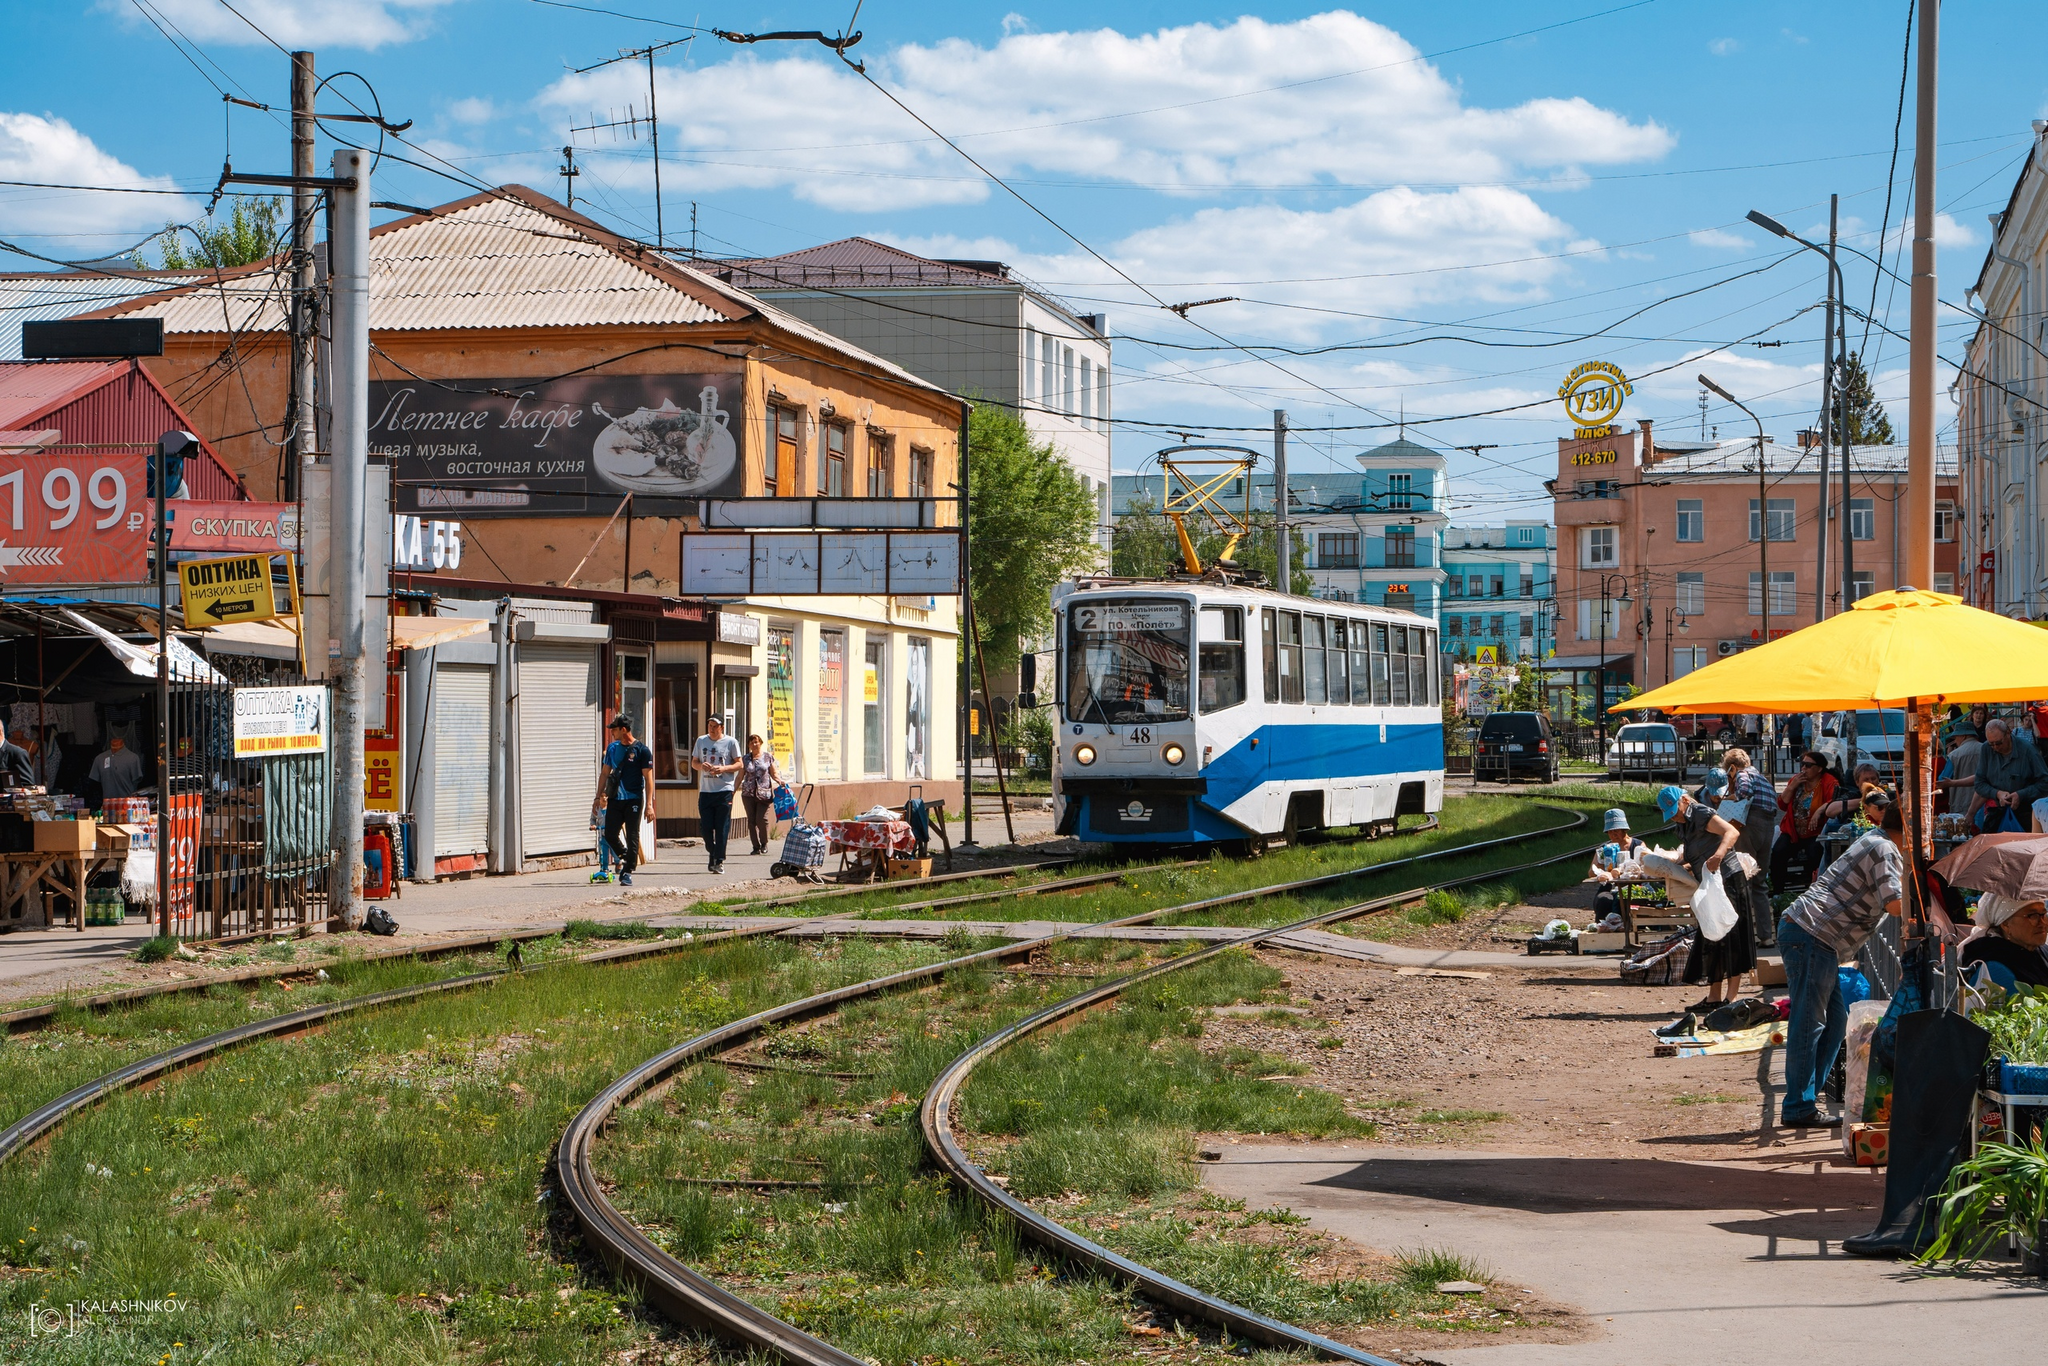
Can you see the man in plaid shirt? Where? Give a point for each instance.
(1824, 928)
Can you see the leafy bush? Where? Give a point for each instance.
(155, 950)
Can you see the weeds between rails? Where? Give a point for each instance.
(189, 1135)
(687, 1296)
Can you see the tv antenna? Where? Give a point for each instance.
(633, 120)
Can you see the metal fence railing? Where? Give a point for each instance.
(248, 847)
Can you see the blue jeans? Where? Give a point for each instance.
(1820, 1018)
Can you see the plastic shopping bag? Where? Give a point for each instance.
(1712, 908)
(785, 803)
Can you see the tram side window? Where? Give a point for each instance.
(1289, 632)
(1398, 652)
(1432, 662)
(1381, 696)
(1340, 670)
(1361, 664)
(1222, 657)
(1314, 650)
(1272, 654)
(1418, 668)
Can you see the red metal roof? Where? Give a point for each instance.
(109, 403)
(28, 389)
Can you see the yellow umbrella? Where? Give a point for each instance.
(1889, 650)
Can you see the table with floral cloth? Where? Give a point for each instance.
(870, 842)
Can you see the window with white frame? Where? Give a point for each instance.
(1067, 380)
(1692, 519)
(1944, 583)
(1783, 519)
(1087, 391)
(1592, 613)
(1862, 583)
(1598, 547)
(1862, 519)
(1030, 362)
(1692, 593)
(1686, 658)
(1049, 374)
(1102, 396)
(1945, 521)
(1478, 586)
(1400, 491)
(1783, 592)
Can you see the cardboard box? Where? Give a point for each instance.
(1870, 1144)
(910, 867)
(1602, 941)
(117, 839)
(66, 837)
(1770, 972)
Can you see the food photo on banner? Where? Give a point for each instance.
(520, 448)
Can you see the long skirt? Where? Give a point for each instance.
(1713, 960)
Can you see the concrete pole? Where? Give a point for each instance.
(1919, 569)
(1283, 569)
(348, 253)
(1827, 430)
(303, 436)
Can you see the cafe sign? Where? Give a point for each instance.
(474, 448)
(1593, 394)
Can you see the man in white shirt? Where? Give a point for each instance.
(715, 756)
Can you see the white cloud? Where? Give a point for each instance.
(474, 109)
(1385, 253)
(1719, 237)
(295, 24)
(47, 149)
(1333, 98)
(1014, 22)
(1948, 232)
(1724, 47)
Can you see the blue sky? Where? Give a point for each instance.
(1347, 185)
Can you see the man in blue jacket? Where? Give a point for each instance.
(622, 793)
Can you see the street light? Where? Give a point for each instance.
(1763, 510)
(1835, 358)
(1624, 604)
(1684, 628)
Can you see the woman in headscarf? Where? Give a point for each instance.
(1707, 843)
(2009, 936)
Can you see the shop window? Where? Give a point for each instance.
(831, 704)
(675, 723)
(917, 709)
(779, 463)
(835, 460)
(875, 654)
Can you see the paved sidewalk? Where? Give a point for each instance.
(1670, 1260)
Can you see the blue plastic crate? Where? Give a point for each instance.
(2023, 1078)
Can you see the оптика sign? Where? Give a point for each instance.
(478, 448)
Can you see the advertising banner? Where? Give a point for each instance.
(236, 589)
(74, 519)
(380, 772)
(253, 528)
(565, 448)
(782, 699)
(290, 720)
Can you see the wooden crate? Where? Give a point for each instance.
(910, 867)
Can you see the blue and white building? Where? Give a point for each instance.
(1499, 592)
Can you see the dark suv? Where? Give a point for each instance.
(1515, 744)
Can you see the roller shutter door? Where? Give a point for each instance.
(462, 754)
(558, 747)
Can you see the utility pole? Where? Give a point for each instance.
(569, 174)
(1827, 435)
(1840, 419)
(1919, 566)
(967, 638)
(1283, 570)
(348, 260)
(302, 435)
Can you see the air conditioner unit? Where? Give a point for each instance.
(1728, 647)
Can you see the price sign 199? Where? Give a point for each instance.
(66, 519)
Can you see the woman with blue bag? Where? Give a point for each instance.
(760, 784)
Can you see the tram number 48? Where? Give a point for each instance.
(1141, 735)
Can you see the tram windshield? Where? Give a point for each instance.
(1127, 660)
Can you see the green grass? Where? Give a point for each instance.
(376, 1192)
(155, 949)
(1688, 1098)
(1426, 1268)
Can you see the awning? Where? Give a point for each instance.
(277, 638)
(1583, 661)
(141, 660)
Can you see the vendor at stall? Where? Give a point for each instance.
(117, 769)
(1804, 799)
(1621, 846)
(1707, 845)
(1826, 927)
(2009, 936)
(15, 768)
(2011, 777)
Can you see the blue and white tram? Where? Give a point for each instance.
(1208, 713)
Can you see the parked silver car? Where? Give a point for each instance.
(1646, 750)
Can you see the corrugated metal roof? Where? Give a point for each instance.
(859, 263)
(503, 259)
(28, 389)
(44, 296)
(1738, 457)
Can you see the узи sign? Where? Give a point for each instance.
(1593, 393)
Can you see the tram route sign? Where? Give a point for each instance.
(220, 591)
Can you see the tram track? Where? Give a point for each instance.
(686, 1296)
(671, 1287)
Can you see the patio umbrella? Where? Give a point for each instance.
(1889, 650)
(2014, 865)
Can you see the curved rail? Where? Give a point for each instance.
(686, 1296)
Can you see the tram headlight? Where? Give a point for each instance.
(1084, 754)
(1173, 754)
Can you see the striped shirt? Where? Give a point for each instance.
(1847, 901)
(1753, 787)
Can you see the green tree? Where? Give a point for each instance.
(1144, 546)
(1033, 525)
(1863, 414)
(251, 232)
